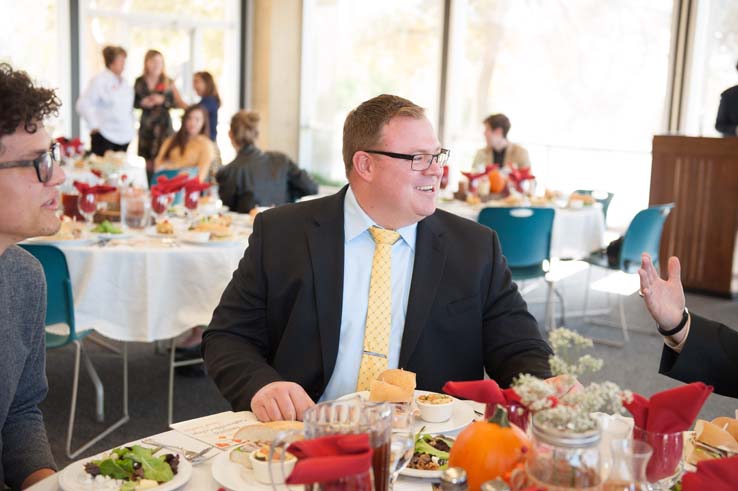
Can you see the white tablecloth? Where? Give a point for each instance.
(576, 231)
(147, 290)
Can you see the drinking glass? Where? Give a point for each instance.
(87, 206)
(160, 204)
(628, 469)
(665, 466)
(135, 208)
(356, 416)
(613, 427)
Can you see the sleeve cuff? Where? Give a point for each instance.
(677, 347)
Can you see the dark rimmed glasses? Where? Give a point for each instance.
(44, 164)
(418, 161)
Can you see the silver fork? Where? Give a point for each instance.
(190, 455)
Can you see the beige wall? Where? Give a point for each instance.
(275, 84)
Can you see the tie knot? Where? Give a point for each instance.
(383, 236)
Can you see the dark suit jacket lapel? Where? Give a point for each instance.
(430, 258)
(326, 248)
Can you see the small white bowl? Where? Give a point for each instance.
(280, 469)
(438, 412)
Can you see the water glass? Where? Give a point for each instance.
(135, 208)
(628, 469)
(665, 466)
(87, 206)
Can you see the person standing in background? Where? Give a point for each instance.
(106, 105)
(205, 87)
(499, 149)
(155, 94)
(727, 116)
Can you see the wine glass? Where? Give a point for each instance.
(402, 447)
(160, 204)
(87, 205)
(191, 202)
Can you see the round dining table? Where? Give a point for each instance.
(576, 233)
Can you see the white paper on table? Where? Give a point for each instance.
(217, 429)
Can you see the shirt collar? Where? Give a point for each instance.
(356, 221)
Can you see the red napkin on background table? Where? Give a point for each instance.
(330, 458)
(164, 185)
(715, 475)
(669, 411)
(194, 184)
(85, 188)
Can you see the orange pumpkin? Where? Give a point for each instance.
(487, 450)
(496, 181)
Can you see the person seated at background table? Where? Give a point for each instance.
(258, 178)
(696, 349)
(499, 150)
(316, 310)
(106, 105)
(190, 146)
(727, 116)
(155, 95)
(29, 180)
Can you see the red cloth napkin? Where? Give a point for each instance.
(194, 184)
(715, 475)
(669, 411)
(85, 188)
(330, 458)
(518, 176)
(484, 391)
(164, 185)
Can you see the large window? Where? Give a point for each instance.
(583, 82)
(353, 51)
(40, 47)
(713, 67)
(193, 35)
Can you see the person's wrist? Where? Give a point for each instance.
(676, 329)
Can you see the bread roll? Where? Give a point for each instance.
(393, 386)
(728, 424)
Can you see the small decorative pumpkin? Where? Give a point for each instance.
(489, 449)
(496, 181)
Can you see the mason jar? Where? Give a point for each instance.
(564, 460)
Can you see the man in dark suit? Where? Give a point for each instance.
(695, 349)
(727, 116)
(302, 319)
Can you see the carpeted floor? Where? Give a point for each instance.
(635, 366)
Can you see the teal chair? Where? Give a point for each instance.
(60, 312)
(602, 197)
(643, 235)
(525, 237)
(169, 174)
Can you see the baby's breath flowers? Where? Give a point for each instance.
(564, 404)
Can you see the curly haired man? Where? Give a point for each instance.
(29, 176)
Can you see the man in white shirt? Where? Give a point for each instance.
(107, 105)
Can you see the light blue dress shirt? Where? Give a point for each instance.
(357, 269)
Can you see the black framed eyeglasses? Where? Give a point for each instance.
(418, 161)
(44, 164)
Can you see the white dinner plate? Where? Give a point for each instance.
(51, 240)
(421, 474)
(235, 478)
(74, 478)
(212, 243)
(107, 236)
(462, 415)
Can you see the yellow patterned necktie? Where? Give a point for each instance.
(379, 309)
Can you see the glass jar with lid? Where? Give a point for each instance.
(563, 460)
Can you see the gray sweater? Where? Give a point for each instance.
(23, 443)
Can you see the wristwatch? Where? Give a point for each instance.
(678, 328)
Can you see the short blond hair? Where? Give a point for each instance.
(245, 127)
(362, 129)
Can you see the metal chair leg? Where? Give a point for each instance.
(623, 322)
(587, 287)
(172, 365)
(99, 389)
(75, 385)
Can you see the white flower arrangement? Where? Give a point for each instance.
(563, 403)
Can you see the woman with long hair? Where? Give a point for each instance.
(155, 94)
(258, 178)
(190, 147)
(204, 85)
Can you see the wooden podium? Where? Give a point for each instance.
(700, 175)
